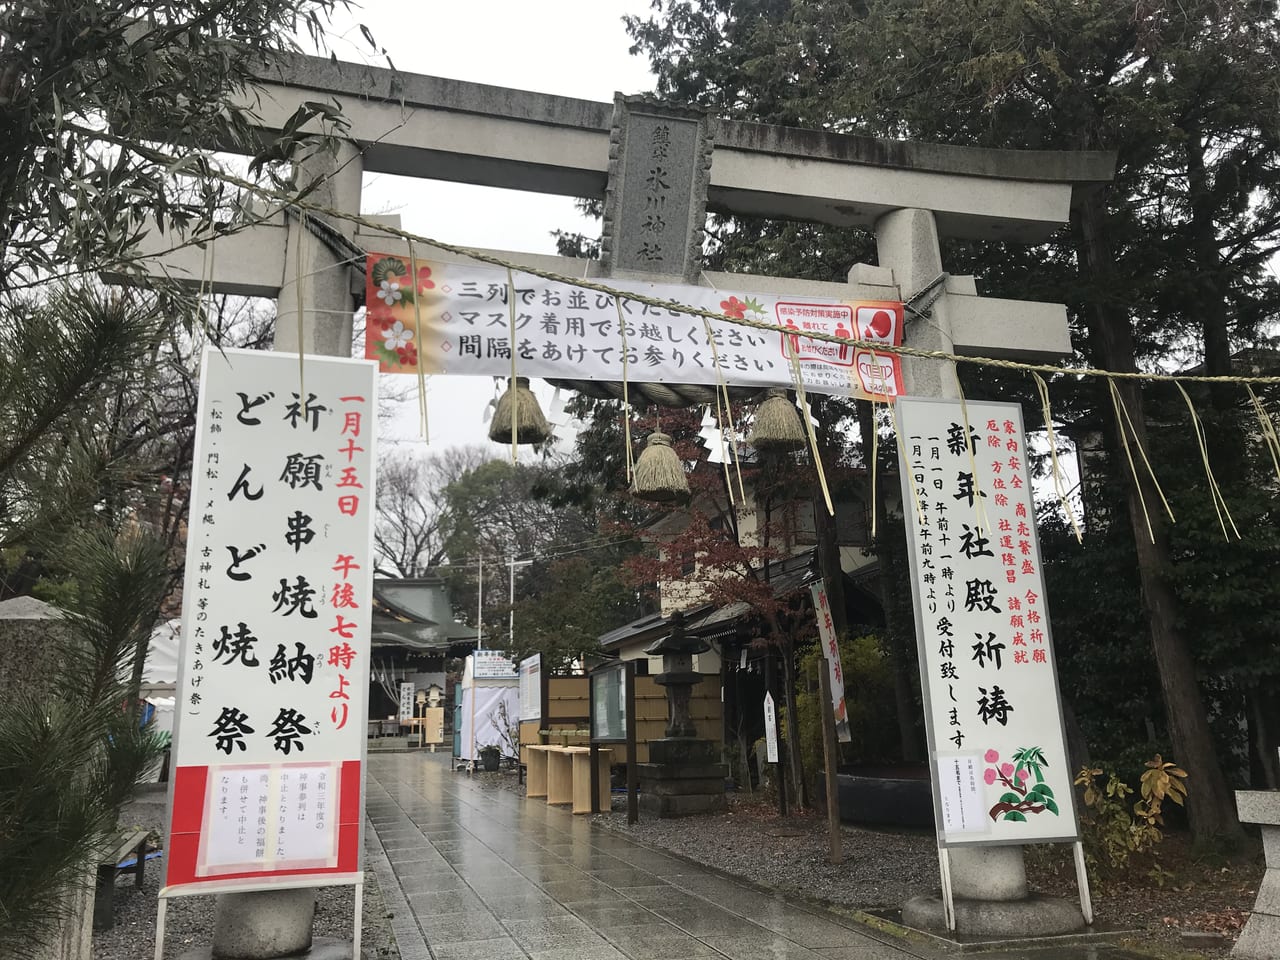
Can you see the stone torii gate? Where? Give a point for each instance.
(909, 194)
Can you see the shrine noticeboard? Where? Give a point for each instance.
(273, 675)
(563, 331)
(993, 713)
(531, 687)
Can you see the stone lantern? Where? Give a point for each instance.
(684, 774)
(678, 676)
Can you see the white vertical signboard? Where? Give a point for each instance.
(406, 702)
(992, 709)
(770, 729)
(274, 664)
(531, 687)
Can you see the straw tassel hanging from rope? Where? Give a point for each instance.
(777, 425)
(659, 475)
(518, 417)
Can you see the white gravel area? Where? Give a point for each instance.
(189, 922)
(881, 868)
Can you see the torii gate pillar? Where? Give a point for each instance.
(907, 243)
(312, 269)
(989, 884)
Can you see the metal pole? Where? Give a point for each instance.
(480, 603)
(836, 853)
(358, 911)
(512, 562)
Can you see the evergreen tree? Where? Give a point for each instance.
(1172, 256)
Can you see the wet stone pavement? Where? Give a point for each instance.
(476, 874)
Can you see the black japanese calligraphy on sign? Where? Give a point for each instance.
(230, 729)
(991, 702)
(298, 667)
(237, 646)
(288, 729)
(306, 412)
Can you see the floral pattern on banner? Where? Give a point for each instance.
(391, 334)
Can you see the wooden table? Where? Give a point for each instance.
(582, 778)
(536, 768)
(560, 774)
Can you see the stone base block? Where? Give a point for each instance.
(684, 788)
(322, 948)
(665, 806)
(683, 771)
(683, 750)
(683, 777)
(1035, 916)
(264, 924)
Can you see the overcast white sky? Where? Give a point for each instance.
(572, 48)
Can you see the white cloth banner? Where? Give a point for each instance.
(566, 332)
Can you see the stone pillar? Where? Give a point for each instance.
(907, 243)
(989, 884)
(327, 306)
(1260, 939)
(260, 926)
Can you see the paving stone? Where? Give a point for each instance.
(545, 932)
(577, 891)
(452, 927)
(525, 908)
(761, 948)
(624, 877)
(658, 893)
(498, 948)
(414, 885)
(708, 922)
(445, 901)
(809, 931)
(604, 915)
(592, 951)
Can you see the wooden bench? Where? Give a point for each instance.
(536, 768)
(563, 775)
(104, 915)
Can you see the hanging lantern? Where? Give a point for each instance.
(518, 401)
(777, 425)
(659, 474)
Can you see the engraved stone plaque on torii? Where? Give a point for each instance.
(658, 167)
(656, 198)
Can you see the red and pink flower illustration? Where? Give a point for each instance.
(733, 308)
(1020, 799)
